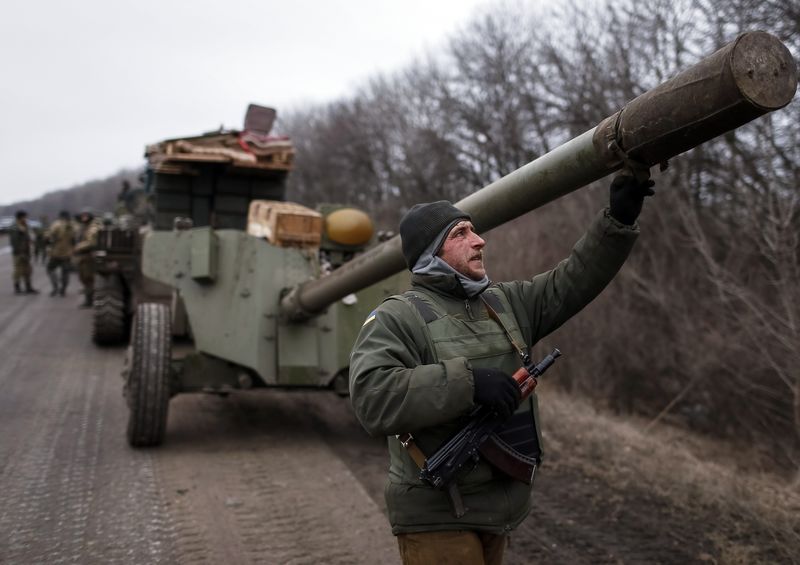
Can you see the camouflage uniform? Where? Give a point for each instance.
(20, 240)
(61, 236)
(84, 262)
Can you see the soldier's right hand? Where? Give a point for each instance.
(626, 196)
(496, 389)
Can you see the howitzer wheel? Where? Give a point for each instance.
(109, 323)
(147, 386)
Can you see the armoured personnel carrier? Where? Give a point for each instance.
(262, 310)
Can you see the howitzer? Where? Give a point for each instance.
(468, 444)
(249, 312)
(751, 76)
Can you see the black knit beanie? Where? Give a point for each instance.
(420, 226)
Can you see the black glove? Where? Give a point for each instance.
(626, 197)
(496, 389)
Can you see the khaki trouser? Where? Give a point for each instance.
(452, 548)
(22, 268)
(85, 268)
(64, 264)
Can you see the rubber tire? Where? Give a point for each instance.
(110, 319)
(147, 387)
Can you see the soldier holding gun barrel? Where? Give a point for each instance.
(426, 360)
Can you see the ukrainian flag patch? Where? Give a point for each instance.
(369, 318)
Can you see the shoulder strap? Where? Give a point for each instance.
(491, 299)
(428, 314)
(425, 313)
(492, 302)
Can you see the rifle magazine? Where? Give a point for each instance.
(508, 460)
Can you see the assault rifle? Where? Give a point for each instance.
(440, 469)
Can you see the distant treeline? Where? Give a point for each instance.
(702, 326)
(97, 195)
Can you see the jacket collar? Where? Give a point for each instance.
(446, 285)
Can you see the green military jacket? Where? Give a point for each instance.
(19, 237)
(409, 376)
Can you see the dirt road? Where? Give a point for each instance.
(274, 477)
(245, 479)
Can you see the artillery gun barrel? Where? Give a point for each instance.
(751, 76)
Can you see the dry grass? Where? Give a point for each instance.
(742, 510)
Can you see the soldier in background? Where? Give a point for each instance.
(87, 241)
(133, 202)
(21, 240)
(40, 241)
(61, 237)
(121, 207)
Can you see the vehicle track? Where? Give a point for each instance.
(270, 483)
(68, 479)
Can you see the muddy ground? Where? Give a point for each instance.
(290, 477)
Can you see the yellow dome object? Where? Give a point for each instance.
(348, 226)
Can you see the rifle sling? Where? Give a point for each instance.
(407, 441)
(521, 351)
(499, 453)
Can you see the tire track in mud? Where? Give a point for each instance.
(72, 492)
(305, 512)
(25, 495)
(69, 498)
(254, 483)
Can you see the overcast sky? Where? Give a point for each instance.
(85, 84)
